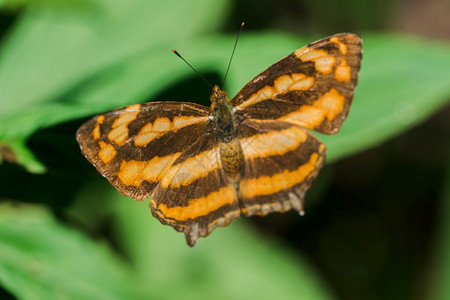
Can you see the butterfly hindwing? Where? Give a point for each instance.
(281, 160)
(133, 147)
(312, 87)
(195, 195)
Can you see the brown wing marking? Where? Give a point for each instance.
(312, 87)
(135, 146)
(281, 160)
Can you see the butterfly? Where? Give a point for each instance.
(204, 167)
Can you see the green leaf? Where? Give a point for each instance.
(42, 259)
(22, 155)
(232, 263)
(53, 51)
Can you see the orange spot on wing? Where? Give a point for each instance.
(100, 119)
(119, 131)
(273, 143)
(146, 135)
(200, 206)
(96, 132)
(265, 93)
(183, 121)
(107, 152)
(191, 169)
(307, 116)
(301, 82)
(296, 81)
(342, 46)
(133, 172)
(151, 131)
(309, 54)
(267, 185)
(329, 105)
(343, 72)
(283, 84)
(130, 172)
(162, 124)
(323, 62)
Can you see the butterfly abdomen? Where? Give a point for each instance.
(231, 158)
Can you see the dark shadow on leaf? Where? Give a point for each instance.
(190, 89)
(5, 295)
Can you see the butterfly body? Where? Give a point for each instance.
(203, 167)
(225, 122)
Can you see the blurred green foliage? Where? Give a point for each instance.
(75, 237)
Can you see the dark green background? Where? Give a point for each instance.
(376, 223)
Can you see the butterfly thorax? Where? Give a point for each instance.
(223, 116)
(225, 124)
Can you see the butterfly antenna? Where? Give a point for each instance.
(232, 53)
(198, 73)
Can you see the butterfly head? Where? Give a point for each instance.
(218, 96)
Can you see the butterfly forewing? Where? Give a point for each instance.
(133, 147)
(312, 87)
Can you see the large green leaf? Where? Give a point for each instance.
(42, 259)
(232, 263)
(50, 50)
(54, 50)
